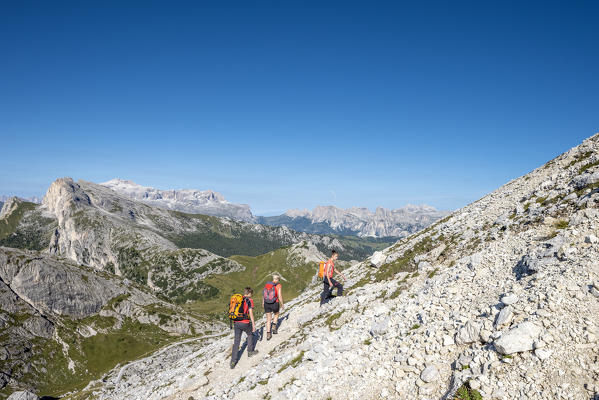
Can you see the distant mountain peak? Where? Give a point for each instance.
(191, 201)
(361, 221)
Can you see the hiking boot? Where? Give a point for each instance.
(268, 335)
(252, 353)
(274, 329)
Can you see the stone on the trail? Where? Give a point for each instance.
(509, 299)
(379, 328)
(469, 333)
(429, 374)
(448, 340)
(519, 339)
(592, 239)
(543, 353)
(504, 316)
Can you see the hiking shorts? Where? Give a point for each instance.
(271, 307)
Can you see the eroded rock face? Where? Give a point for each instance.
(53, 288)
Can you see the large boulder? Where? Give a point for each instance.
(519, 339)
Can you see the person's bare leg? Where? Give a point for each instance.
(274, 322)
(268, 318)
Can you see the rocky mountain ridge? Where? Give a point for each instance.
(32, 199)
(71, 324)
(190, 201)
(325, 220)
(360, 222)
(168, 251)
(498, 300)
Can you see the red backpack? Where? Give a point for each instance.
(270, 293)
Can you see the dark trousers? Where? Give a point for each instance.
(327, 290)
(241, 327)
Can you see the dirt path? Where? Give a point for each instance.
(222, 375)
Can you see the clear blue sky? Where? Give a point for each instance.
(295, 104)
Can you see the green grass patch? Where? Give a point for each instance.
(395, 293)
(591, 187)
(9, 224)
(405, 263)
(415, 326)
(96, 355)
(433, 273)
(26, 228)
(368, 342)
(465, 392)
(332, 318)
(258, 271)
(587, 166)
(562, 224)
(292, 363)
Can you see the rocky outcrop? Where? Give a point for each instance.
(499, 298)
(53, 288)
(9, 207)
(187, 200)
(46, 301)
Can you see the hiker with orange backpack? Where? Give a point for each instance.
(242, 314)
(272, 301)
(328, 281)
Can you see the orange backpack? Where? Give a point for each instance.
(321, 266)
(236, 309)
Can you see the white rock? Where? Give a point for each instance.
(505, 316)
(377, 259)
(429, 374)
(468, 333)
(509, 299)
(521, 338)
(543, 353)
(448, 340)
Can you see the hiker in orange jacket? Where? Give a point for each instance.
(328, 282)
(272, 301)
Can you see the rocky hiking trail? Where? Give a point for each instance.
(222, 373)
(499, 300)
